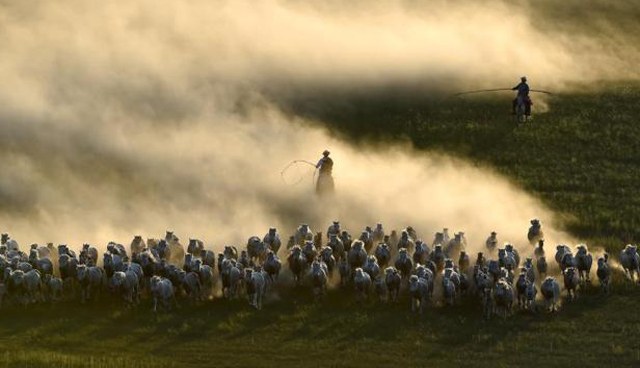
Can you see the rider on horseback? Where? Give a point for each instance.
(325, 185)
(523, 97)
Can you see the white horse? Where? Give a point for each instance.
(521, 110)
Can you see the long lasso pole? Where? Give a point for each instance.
(498, 89)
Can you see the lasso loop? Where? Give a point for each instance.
(301, 176)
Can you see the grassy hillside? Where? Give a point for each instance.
(580, 157)
(336, 332)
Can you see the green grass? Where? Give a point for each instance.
(335, 332)
(581, 158)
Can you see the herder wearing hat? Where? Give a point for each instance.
(324, 184)
(522, 97)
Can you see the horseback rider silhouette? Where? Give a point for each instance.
(522, 97)
(325, 184)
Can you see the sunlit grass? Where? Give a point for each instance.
(580, 157)
(41, 358)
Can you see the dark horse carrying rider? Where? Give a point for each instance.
(325, 184)
(522, 97)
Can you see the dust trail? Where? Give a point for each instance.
(224, 185)
(132, 117)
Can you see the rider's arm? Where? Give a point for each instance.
(320, 163)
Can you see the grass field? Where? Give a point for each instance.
(581, 158)
(337, 332)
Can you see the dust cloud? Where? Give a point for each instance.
(133, 117)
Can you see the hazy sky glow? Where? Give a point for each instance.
(132, 117)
